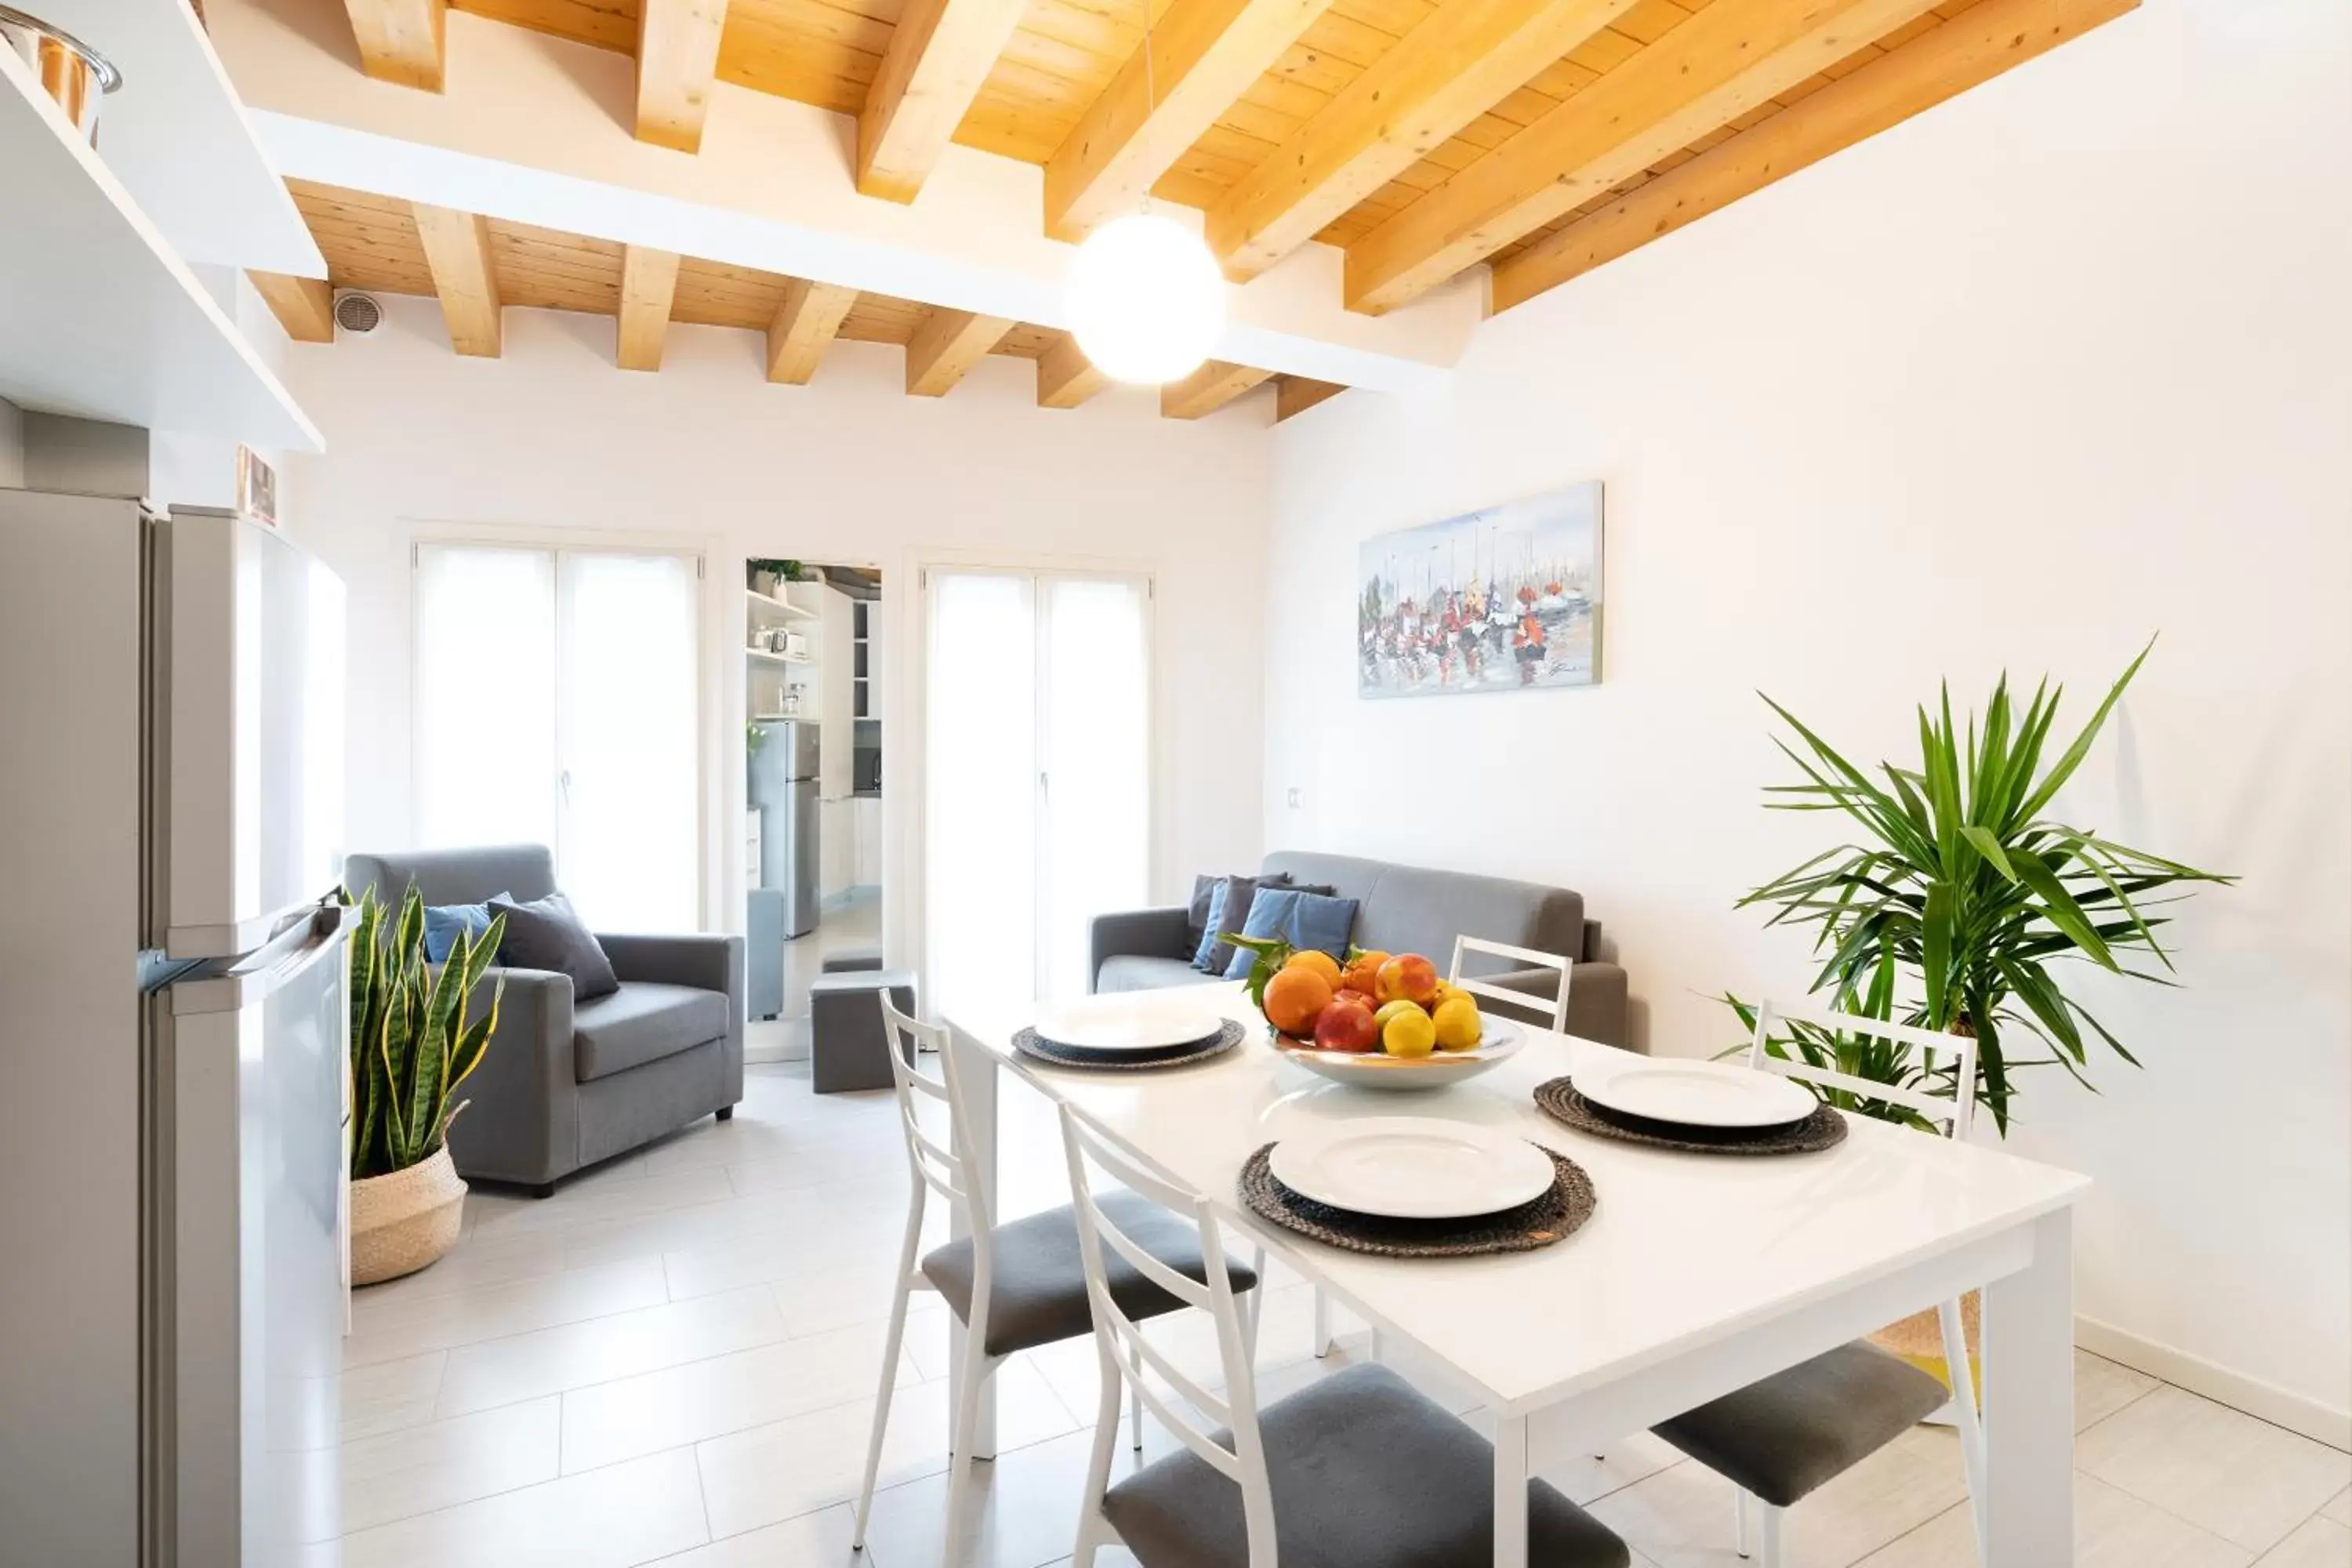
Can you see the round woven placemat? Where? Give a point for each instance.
(1028, 1044)
(1558, 1099)
(1551, 1218)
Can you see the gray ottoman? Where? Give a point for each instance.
(851, 958)
(848, 1047)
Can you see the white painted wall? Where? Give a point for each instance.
(12, 445)
(2061, 365)
(848, 469)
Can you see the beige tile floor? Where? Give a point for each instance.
(674, 1361)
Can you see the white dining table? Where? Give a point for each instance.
(1696, 1275)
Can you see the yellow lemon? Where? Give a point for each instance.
(1409, 1033)
(1457, 1023)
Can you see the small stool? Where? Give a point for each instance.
(848, 1047)
(850, 960)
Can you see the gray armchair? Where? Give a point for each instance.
(565, 1086)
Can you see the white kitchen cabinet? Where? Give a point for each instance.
(869, 840)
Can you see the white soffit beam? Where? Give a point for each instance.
(535, 129)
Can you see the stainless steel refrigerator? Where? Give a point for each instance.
(783, 790)
(172, 1029)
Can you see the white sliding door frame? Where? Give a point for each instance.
(714, 614)
(910, 743)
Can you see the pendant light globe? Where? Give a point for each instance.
(1145, 300)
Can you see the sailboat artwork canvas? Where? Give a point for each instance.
(1503, 599)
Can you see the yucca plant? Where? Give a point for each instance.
(411, 1046)
(1957, 883)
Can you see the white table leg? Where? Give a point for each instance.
(2029, 1404)
(976, 1076)
(1511, 1492)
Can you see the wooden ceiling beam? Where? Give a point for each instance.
(1462, 58)
(305, 307)
(805, 327)
(649, 285)
(1941, 63)
(457, 250)
(946, 346)
(1195, 64)
(401, 41)
(1708, 71)
(1296, 394)
(1208, 389)
(677, 58)
(940, 53)
(1066, 377)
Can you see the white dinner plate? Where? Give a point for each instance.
(1693, 1093)
(1118, 1024)
(1412, 1167)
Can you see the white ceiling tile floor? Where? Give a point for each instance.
(673, 1361)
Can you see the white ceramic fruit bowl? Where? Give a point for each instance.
(1377, 1070)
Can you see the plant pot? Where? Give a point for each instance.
(764, 582)
(403, 1221)
(1920, 1340)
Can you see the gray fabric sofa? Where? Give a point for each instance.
(563, 1087)
(1401, 909)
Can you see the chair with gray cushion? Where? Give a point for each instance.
(1399, 909)
(565, 1085)
(1357, 1470)
(1011, 1287)
(1783, 1436)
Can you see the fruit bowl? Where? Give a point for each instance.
(1377, 1070)
(1373, 1019)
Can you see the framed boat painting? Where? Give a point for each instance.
(1503, 599)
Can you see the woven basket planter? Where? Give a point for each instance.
(404, 1221)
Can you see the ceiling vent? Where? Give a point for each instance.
(358, 314)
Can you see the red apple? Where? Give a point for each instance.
(1409, 977)
(1346, 1027)
(1361, 998)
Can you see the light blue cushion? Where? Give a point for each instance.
(1303, 920)
(443, 923)
(1211, 930)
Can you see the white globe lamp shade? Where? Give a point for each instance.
(1145, 300)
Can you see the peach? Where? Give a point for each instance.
(1408, 977)
(1346, 1027)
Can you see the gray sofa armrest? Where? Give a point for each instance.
(1596, 998)
(1147, 933)
(522, 1120)
(710, 963)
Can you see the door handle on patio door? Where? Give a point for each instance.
(563, 782)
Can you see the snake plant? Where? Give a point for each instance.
(1956, 879)
(410, 1045)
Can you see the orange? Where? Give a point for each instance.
(1295, 998)
(1321, 963)
(1363, 973)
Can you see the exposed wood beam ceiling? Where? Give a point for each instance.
(946, 346)
(1422, 137)
(678, 54)
(401, 40)
(1207, 389)
(805, 323)
(1066, 377)
(305, 307)
(648, 287)
(1296, 394)
(457, 255)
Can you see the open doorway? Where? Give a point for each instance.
(813, 782)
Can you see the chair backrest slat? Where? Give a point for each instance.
(1956, 1110)
(1192, 1292)
(1241, 1457)
(1526, 957)
(943, 1168)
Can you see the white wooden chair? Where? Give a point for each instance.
(1527, 958)
(1526, 1001)
(1373, 1474)
(1790, 1433)
(1013, 1286)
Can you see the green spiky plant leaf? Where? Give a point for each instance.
(1955, 881)
(410, 1045)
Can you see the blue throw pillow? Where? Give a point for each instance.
(1204, 951)
(443, 922)
(1303, 920)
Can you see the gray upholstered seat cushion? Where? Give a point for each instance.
(1145, 972)
(1785, 1435)
(1037, 1293)
(1367, 1473)
(642, 1022)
